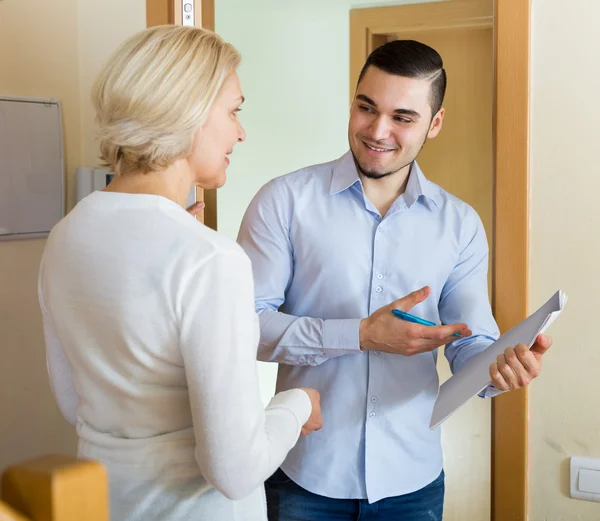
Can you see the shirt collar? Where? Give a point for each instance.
(418, 185)
(345, 175)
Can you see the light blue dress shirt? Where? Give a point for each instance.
(323, 259)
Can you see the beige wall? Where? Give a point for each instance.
(565, 248)
(51, 50)
(103, 25)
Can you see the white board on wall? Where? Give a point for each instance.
(32, 177)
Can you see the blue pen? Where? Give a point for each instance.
(415, 320)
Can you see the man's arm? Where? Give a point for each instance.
(465, 298)
(287, 339)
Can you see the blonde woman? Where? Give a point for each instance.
(149, 315)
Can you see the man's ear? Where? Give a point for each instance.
(436, 124)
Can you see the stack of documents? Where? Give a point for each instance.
(475, 375)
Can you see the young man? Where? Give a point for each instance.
(337, 242)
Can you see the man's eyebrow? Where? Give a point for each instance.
(407, 112)
(366, 99)
(401, 112)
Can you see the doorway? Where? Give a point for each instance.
(481, 156)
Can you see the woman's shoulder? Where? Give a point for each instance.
(207, 246)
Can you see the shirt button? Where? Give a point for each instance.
(373, 414)
(379, 276)
(375, 352)
(378, 289)
(374, 399)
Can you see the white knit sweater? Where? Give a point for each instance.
(151, 341)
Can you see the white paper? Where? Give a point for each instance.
(475, 375)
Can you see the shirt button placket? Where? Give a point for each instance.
(377, 246)
(374, 410)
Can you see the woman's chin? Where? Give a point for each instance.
(214, 182)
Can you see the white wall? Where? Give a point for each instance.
(295, 75)
(47, 49)
(565, 248)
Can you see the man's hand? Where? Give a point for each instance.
(518, 366)
(382, 331)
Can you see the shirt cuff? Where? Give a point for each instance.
(342, 335)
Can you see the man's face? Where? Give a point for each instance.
(390, 120)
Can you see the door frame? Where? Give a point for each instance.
(161, 12)
(510, 20)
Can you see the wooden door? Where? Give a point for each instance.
(509, 20)
(161, 12)
(460, 160)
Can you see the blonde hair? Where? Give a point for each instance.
(155, 92)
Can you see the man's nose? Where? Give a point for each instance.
(379, 129)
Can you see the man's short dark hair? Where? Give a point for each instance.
(411, 59)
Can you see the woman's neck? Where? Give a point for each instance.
(174, 183)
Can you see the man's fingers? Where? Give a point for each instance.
(506, 371)
(422, 339)
(524, 356)
(498, 379)
(412, 299)
(515, 368)
(542, 344)
(522, 376)
(445, 332)
(532, 364)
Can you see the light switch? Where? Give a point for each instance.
(187, 7)
(589, 481)
(585, 479)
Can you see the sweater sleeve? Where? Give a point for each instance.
(59, 371)
(239, 444)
